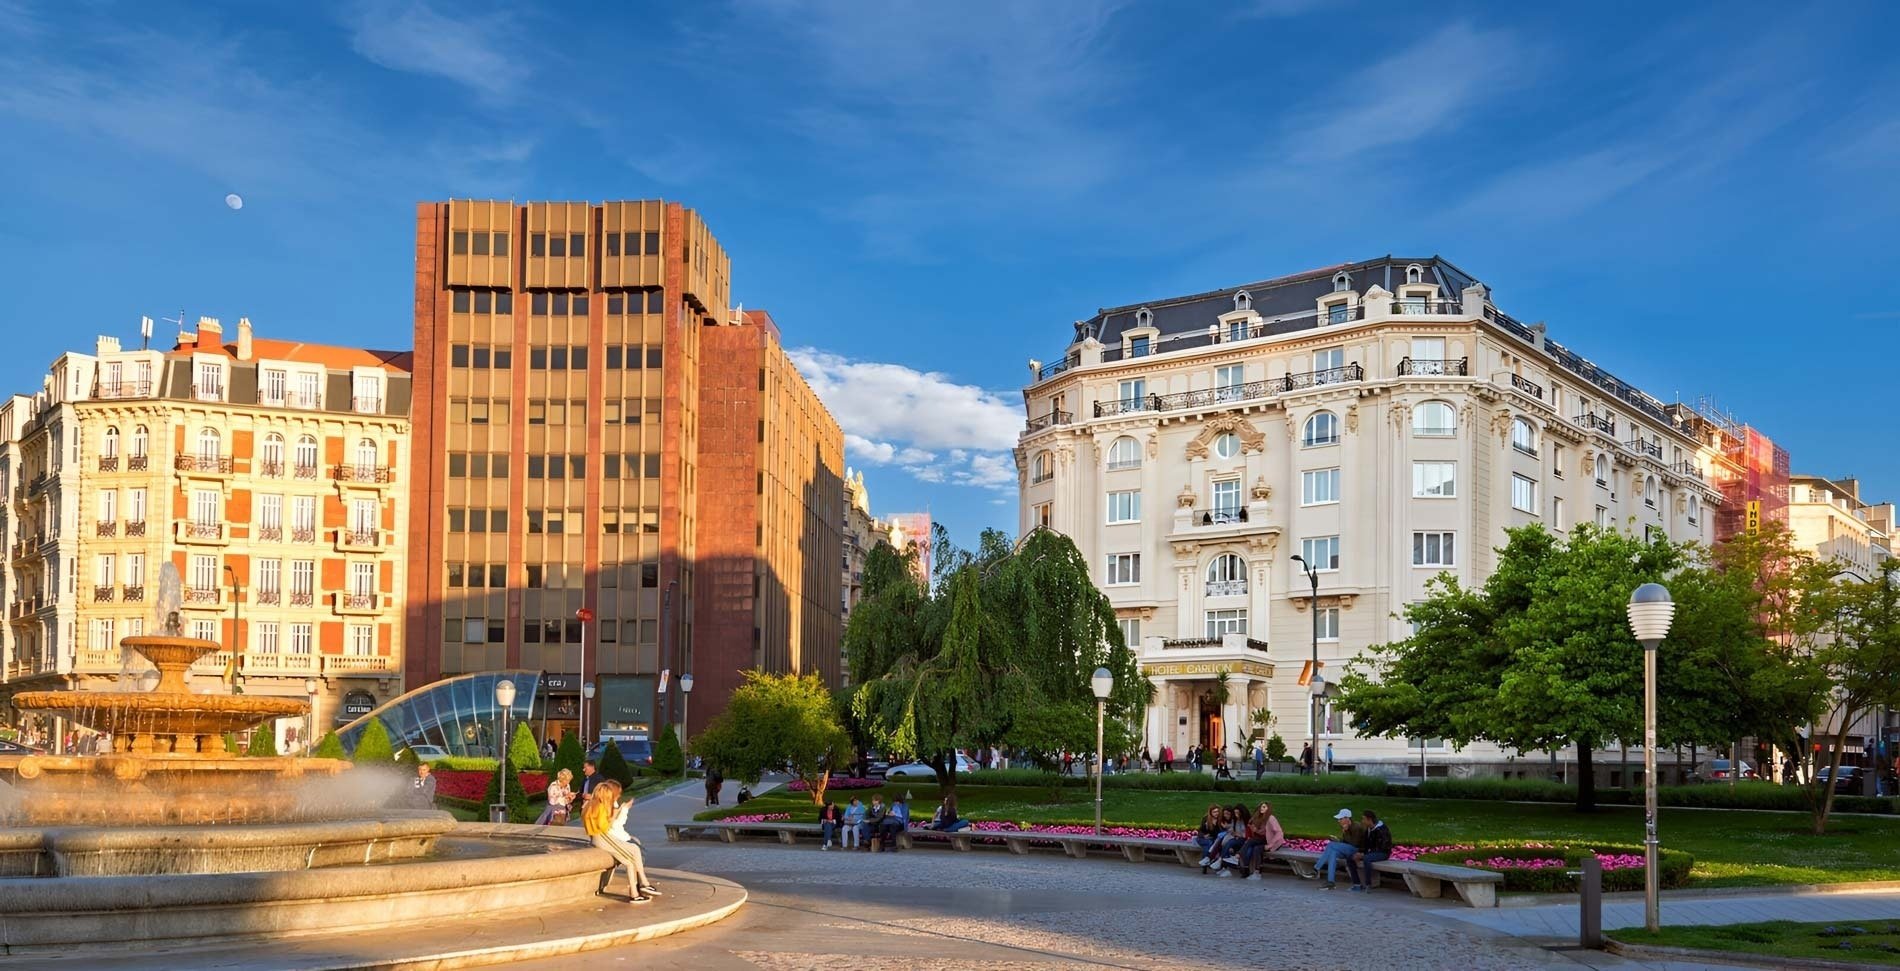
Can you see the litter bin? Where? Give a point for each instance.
(497, 812)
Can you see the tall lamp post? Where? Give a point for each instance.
(310, 716)
(1102, 682)
(686, 698)
(505, 699)
(587, 701)
(1317, 683)
(1650, 612)
(586, 617)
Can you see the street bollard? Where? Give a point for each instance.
(497, 812)
(1590, 898)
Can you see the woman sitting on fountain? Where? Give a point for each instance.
(605, 818)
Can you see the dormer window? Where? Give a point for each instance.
(1243, 300)
(1144, 318)
(1342, 283)
(1138, 346)
(1415, 274)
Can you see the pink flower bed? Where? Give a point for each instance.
(758, 818)
(1402, 853)
(1507, 863)
(837, 782)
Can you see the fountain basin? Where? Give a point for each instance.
(170, 789)
(147, 721)
(89, 852)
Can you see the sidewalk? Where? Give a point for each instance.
(1558, 922)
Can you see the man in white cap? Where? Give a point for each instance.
(1340, 850)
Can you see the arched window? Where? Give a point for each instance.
(1243, 300)
(1652, 492)
(1524, 435)
(366, 455)
(1415, 274)
(1321, 429)
(1434, 418)
(209, 444)
(110, 447)
(1044, 468)
(1603, 470)
(273, 456)
(1227, 445)
(141, 441)
(1226, 576)
(306, 456)
(1695, 509)
(1144, 318)
(1124, 453)
(1342, 283)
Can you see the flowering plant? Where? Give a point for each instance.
(473, 785)
(1547, 868)
(837, 782)
(758, 818)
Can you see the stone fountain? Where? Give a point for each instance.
(170, 837)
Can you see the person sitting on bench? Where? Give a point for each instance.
(896, 821)
(946, 820)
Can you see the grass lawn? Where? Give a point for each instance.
(1860, 942)
(1731, 848)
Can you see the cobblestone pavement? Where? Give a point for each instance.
(855, 911)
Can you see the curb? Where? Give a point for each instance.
(1708, 893)
(1743, 958)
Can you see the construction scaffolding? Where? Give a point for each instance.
(1749, 469)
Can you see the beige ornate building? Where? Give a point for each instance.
(862, 532)
(263, 470)
(1382, 421)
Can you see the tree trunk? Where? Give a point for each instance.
(1586, 779)
(946, 773)
(818, 787)
(1824, 799)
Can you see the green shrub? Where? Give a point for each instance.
(1494, 789)
(329, 747)
(1345, 783)
(1276, 749)
(613, 765)
(231, 746)
(1675, 865)
(373, 747)
(263, 743)
(523, 752)
(668, 757)
(408, 758)
(568, 756)
(1039, 778)
(465, 763)
(1712, 795)
(518, 808)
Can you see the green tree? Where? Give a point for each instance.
(408, 759)
(773, 721)
(1855, 622)
(231, 746)
(523, 752)
(1540, 658)
(263, 743)
(517, 798)
(568, 755)
(668, 757)
(372, 747)
(329, 747)
(614, 766)
(1276, 748)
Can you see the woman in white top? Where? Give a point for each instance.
(560, 799)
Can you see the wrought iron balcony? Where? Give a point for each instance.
(358, 538)
(1591, 421)
(208, 392)
(1324, 376)
(1220, 515)
(203, 463)
(1434, 367)
(270, 598)
(1049, 420)
(204, 530)
(1127, 406)
(303, 399)
(1527, 386)
(1689, 469)
(302, 598)
(1341, 313)
(305, 471)
(138, 463)
(135, 527)
(1645, 447)
(1226, 588)
(1421, 307)
(271, 469)
(134, 592)
(107, 527)
(1229, 394)
(366, 406)
(102, 593)
(1205, 643)
(270, 534)
(204, 595)
(362, 473)
(356, 601)
(108, 463)
(125, 389)
(303, 534)
(1048, 371)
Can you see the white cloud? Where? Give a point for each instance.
(413, 38)
(1413, 94)
(933, 428)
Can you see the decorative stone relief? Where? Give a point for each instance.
(1261, 490)
(1400, 414)
(1501, 425)
(1065, 455)
(1251, 439)
(1185, 500)
(1154, 445)
(1352, 419)
(1264, 543)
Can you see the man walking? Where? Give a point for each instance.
(1306, 759)
(1329, 758)
(1259, 762)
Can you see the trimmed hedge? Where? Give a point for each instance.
(1341, 783)
(1713, 795)
(1675, 866)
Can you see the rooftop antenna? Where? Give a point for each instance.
(179, 320)
(145, 333)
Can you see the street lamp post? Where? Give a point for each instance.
(586, 617)
(686, 700)
(1650, 611)
(504, 699)
(587, 701)
(1318, 684)
(1102, 682)
(309, 715)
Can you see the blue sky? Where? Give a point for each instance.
(926, 195)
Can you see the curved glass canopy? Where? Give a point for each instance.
(458, 715)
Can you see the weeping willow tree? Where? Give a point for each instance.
(999, 653)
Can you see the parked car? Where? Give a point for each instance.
(1847, 783)
(16, 748)
(1718, 770)
(428, 753)
(637, 751)
(923, 770)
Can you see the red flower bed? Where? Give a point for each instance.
(473, 785)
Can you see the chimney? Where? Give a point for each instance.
(210, 334)
(244, 339)
(1537, 334)
(108, 345)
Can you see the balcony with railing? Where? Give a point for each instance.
(1226, 588)
(302, 598)
(355, 603)
(302, 399)
(358, 539)
(269, 598)
(207, 392)
(113, 390)
(1340, 313)
(1047, 371)
(1592, 422)
(37, 484)
(102, 593)
(1213, 643)
(134, 593)
(366, 405)
(108, 463)
(270, 534)
(1689, 470)
(213, 663)
(303, 471)
(1322, 377)
(204, 596)
(377, 474)
(1215, 397)
(134, 527)
(1527, 386)
(258, 663)
(209, 464)
(1126, 406)
(345, 664)
(1643, 446)
(1220, 516)
(1433, 367)
(271, 468)
(202, 533)
(138, 463)
(303, 534)
(1422, 307)
(1050, 420)
(106, 528)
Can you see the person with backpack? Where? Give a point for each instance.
(1376, 846)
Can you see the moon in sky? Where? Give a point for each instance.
(234, 200)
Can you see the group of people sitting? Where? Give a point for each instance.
(856, 825)
(1231, 838)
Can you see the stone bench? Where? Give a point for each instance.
(1477, 888)
(786, 832)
